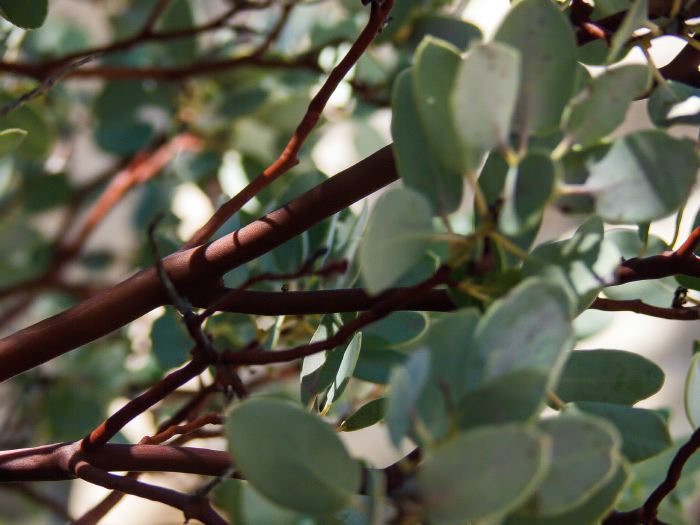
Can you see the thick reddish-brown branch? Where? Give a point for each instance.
(288, 157)
(192, 268)
(52, 462)
(311, 302)
(378, 311)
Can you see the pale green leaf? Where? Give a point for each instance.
(691, 392)
(482, 473)
(644, 433)
(405, 386)
(644, 176)
(419, 167)
(580, 265)
(528, 188)
(609, 376)
(634, 19)
(512, 335)
(311, 473)
(545, 39)
(590, 512)
(585, 455)
(603, 104)
(484, 96)
(517, 396)
(436, 63)
(397, 235)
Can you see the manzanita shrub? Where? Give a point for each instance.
(435, 314)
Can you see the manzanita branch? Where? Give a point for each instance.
(378, 311)
(638, 306)
(174, 430)
(311, 302)
(192, 268)
(647, 513)
(184, 413)
(191, 506)
(113, 424)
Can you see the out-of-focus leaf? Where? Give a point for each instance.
(10, 139)
(644, 433)
(28, 14)
(420, 167)
(585, 455)
(405, 386)
(170, 341)
(603, 104)
(634, 19)
(471, 477)
(644, 176)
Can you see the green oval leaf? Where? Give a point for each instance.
(609, 376)
(644, 176)
(634, 19)
(41, 132)
(518, 396)
(644, 433)
(482, 473)
(691, 392)
(593, 510)
(528, 188)
(28, 14)
(311, 473)
(396, 329)
(484, 95)
(405, 386)
(376, 366)
(674, 103)
(170, 342)
(603, 104)
(585, 455)
(365, 416)
(397, 235)
(579, 265)
(420, 168)
(340, 367)
(433, 75)
(513, 335)
(545, 39)
(10, 139)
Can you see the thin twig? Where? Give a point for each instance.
(288, 158)
(174, 430)
(46, 85)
